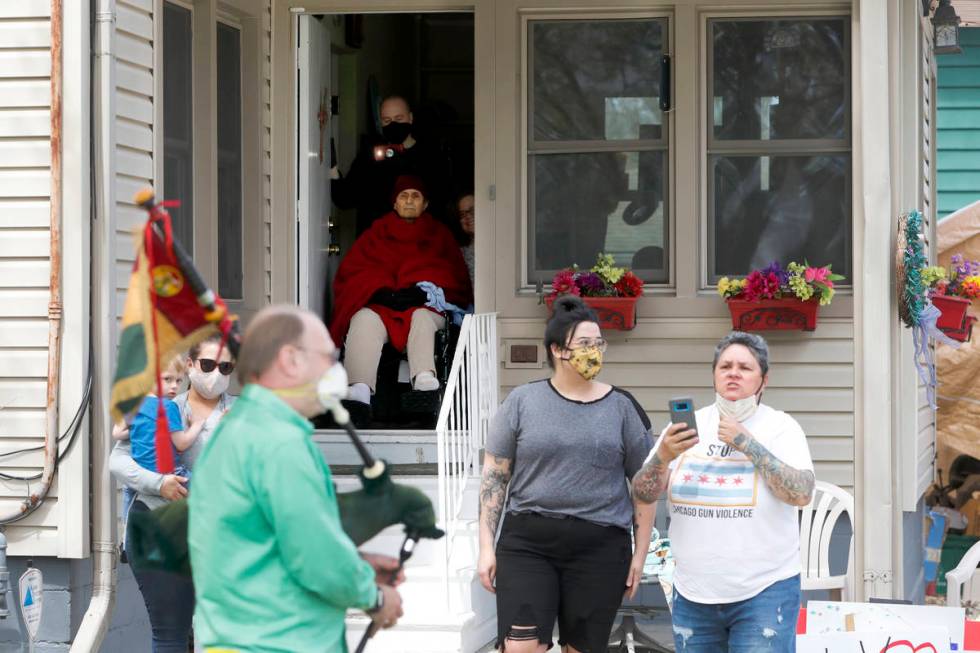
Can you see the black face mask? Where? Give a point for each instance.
(396, 132)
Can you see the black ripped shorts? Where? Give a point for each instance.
(564, 568)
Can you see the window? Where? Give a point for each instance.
(597, 145)
(178, 138)
(230, 223)
(779, 143)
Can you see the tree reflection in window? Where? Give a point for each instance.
(597, 145)
(779, 143)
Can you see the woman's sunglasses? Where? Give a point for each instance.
(208, 365)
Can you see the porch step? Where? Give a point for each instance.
(398, 447)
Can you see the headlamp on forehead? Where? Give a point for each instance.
(382, 152)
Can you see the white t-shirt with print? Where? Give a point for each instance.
(730, 536)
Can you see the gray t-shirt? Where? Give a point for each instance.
(189, 456)
(571, 458)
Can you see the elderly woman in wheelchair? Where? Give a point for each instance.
(394, 287)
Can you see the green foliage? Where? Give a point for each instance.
(913, 259)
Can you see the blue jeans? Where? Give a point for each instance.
(169, 600)
(765, 622)
(129, 495)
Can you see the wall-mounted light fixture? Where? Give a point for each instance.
(946, 31)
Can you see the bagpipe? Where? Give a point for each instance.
(168, 309)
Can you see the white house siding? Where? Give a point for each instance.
(25, 158)
(811, 376)
(135, 89)
(267, 153)
(925, 441)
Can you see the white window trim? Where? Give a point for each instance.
(525, 285)
(705, 286)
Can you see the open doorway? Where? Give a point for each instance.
(348, 160)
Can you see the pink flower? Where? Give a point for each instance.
(819, 275)
(564, 284)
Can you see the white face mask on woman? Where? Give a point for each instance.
(738, 409)
(210, 385)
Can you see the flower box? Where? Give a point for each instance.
(953, 311)
(786, 314)
(963, 334)
(615, 313)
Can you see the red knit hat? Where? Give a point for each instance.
(405, 182)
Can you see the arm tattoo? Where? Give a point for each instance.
(791, 485)
(650, 482)
(493, 489)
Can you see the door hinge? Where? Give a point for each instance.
(334, 105)
(492, 193)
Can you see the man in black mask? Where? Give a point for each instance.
(368, 185)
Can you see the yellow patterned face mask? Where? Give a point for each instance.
(587, 361)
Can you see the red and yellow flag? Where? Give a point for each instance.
(168, 310)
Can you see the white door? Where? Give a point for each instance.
(313, 163)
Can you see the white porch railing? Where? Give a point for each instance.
(464, 418)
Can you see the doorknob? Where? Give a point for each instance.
(333, 250)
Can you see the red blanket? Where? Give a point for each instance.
(396, 254)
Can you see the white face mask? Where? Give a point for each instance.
(329, 389)
(738, 409)
(332, 386)
(209, 385)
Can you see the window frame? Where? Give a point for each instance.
(525, 149)
(708, 145)
(160, 115)
(252, 23)
(229, 20)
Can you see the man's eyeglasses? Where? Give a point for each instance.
(333, 355)
(208, 365)
(582, 343)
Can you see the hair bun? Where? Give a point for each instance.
(569, 304)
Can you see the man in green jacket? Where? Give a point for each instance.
(273, 570)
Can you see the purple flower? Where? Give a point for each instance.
(776, 269)
(590, 283)
(963, 267)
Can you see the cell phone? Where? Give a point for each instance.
(682, 410)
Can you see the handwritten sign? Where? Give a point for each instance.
(890, 620)
(928, 640)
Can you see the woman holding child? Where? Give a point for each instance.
(192, 417)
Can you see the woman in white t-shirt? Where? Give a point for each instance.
(732, 495)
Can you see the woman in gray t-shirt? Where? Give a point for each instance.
(565, 447)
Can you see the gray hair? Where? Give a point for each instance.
(755, 344)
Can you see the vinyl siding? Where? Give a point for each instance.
(811, 377)
(267, 153)
(925, 438)
(25, 183)
(958, 125)
(134, 129)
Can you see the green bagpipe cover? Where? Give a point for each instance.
(158, 538)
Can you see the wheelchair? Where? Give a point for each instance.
(395, 404)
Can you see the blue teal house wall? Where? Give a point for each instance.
(958, 125)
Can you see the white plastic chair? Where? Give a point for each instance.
(817, 520)
(955, 578)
